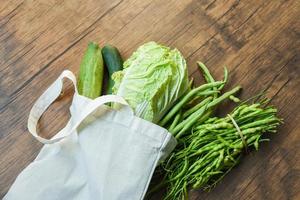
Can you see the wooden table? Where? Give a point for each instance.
(258, 40)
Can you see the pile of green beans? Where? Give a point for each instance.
(208, 147)
(197, 104)
(214, 147)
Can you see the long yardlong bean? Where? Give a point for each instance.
(215, 148)
(186, 98)
(208, 148)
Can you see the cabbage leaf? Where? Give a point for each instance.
(153, 78)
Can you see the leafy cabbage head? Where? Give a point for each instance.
(153, 78)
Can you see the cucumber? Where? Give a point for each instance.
(113, 62)
(91, 72)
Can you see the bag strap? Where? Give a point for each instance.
(51, 94)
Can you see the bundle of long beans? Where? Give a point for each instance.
(208, 147)
(215, 146)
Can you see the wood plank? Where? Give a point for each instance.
(31, 49)
(17, 140)
(257, 40)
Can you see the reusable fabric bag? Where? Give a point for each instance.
(100, 154)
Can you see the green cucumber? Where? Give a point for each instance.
(91, 72)
(113, 62)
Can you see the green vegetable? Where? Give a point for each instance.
(113, 62)
(201, 108)
(153, 78)
(214, 147)
(185, 99)
(208, 147)
(155, 84)
(91, 72)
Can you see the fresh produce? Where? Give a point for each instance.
(91, 72)
(214, 146)
(208, 147)
(197, 105)
(154, 82)
(113, 62)
(153, 78)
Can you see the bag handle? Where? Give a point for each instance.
(51, 94)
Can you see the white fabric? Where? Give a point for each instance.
(100, 154)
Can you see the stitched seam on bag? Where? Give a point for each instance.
(154, 165)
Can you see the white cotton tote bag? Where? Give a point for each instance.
(101, 154)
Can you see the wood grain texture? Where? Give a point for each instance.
(258, 40)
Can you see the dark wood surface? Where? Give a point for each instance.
(258, 40)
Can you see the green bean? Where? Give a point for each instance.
(185, 167)
(189, 122)
(207, 92)
(205, 116)
(224, 96)
(259, 122)
(234, 99)
(256, 143)
(249, 109)
(191, 119)
(218, 125)
(195, 168)
(211, 120)
(251, 139)
(226, 143)
(175, 121)
(185, 196)
(237, 110)
(249, 116)
(197, 107)
(225, 79)
(208, 77)
(203, 149)
(221, 157)
(185, 99)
